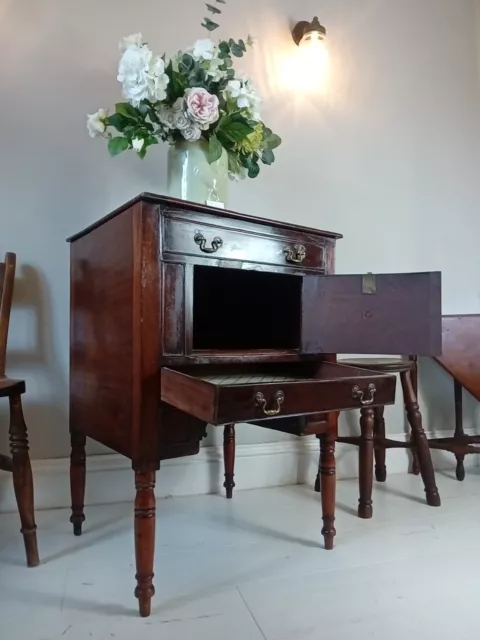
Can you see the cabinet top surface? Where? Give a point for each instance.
(174, 204)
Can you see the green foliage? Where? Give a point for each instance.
(272, 141)
(268, 157)
(233, 128)
(209, 24)
(236, 48)
(117, 145)
(127, 111)
(215, 149)
(212, 9)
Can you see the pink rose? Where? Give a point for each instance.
(202, 106)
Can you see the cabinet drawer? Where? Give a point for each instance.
(244, 396)
(198, 239)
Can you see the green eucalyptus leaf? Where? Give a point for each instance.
(209, 24)
(126, 110)
(224, 48)
(242, 46)
(215, 150)
(117, 145)
(272, 141)
(268, 157)
(187, 62)
(213, 9)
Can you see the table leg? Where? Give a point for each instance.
(144, 538)
(328, 482)
(77, 480)
(229, 458)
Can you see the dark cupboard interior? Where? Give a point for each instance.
(239, 310)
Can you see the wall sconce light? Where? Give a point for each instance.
(306, 33)
(311, 66)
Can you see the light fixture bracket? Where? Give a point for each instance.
(303, 28)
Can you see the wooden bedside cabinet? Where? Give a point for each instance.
(183, 316)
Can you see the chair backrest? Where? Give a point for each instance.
(7, 280)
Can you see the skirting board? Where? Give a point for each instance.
(110, 477)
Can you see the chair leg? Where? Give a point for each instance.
(415, 468)
(22, 479)
(318, 484)
(420, 442)
(77, 480)
(459, 432)
(328, 483)
(229, 458)
(365, 508)
(380, 452)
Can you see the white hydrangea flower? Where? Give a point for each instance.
(192, 133)
(142, 76)
(214, 70)
(137, 144)
(96, 123)
(134, 72)
(246, 96)
(134, 40)
(157, 79)
(203, 50)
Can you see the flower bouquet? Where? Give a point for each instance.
(193, 99)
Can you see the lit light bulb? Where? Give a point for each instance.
(309, 72)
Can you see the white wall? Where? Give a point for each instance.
(388, 155)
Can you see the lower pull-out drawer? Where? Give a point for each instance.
(245, 396)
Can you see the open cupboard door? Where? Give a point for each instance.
(391, 314)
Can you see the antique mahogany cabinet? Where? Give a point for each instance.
(183, 316)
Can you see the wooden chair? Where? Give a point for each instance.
(373, 442)
(19, 463)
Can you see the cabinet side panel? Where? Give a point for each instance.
(101, 333)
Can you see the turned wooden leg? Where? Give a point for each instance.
(22, 479)
(380, 452)
(144, 538)
(328, 485)
(318, 484)
(367, 420)
(229, 458)
(459, 432)
(420, 441)
(415, 468)
(77, 480)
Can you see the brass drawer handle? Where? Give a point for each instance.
(296, 254)
(202, 243)
(279, 398)
(358, 394)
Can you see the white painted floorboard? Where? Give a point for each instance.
(254, 569)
